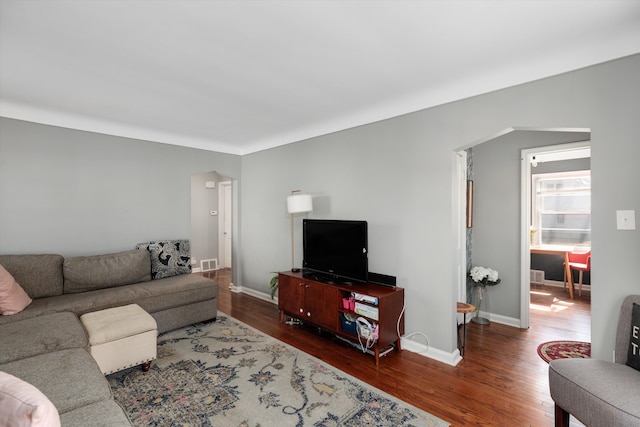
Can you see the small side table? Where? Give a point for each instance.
(463, 308)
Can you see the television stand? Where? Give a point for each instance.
(326, 305)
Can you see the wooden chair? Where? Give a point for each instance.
(579, 259)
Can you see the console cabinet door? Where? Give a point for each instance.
(309, 301)
(291, 295)
(320, 302)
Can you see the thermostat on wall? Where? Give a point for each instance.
(210, 184)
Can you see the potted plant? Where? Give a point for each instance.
(482, 277)
(273, 285)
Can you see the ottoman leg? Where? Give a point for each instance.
(145, 366)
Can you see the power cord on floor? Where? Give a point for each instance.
(411, 334)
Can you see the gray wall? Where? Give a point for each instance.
(80, 193)
(75, 192)
(398, 174)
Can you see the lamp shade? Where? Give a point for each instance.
(298, 203)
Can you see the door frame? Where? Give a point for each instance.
(225, 214)
(460, 210)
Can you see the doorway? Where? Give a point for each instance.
(497, 236)
(212, 222)
(561, 163)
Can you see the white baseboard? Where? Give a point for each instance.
(498, 318)
(452, 358)
(260, 295)
(559, 284)
(504, 320)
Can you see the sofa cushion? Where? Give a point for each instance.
(13, 299)
(53, 373)
(106, 413)
(41, 334)
(23, 405)
(597, 392)
(86, 273)
(633, 356)
(168, 257)
(39, 275)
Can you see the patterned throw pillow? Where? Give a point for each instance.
(633, 358)
(168, 257)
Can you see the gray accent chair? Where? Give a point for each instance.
(597, 392)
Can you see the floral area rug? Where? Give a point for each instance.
(564, 350)
(225, 373)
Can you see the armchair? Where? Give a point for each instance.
(597, 392)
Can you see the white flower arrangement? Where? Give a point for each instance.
(483, 276)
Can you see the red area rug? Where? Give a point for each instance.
(552, 350)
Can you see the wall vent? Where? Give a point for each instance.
(209, 264)
(537, 277)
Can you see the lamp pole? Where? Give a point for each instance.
(297, 203)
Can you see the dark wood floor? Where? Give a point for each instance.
(501, 381)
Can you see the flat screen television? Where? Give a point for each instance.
(335, 250)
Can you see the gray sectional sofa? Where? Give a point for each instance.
(50, 353)
(46, 344)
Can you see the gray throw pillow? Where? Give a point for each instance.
(633, 358)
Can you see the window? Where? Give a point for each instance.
(562, 207)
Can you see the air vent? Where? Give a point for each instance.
(537, 276)
(211, 264)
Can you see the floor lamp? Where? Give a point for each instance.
(297, 203)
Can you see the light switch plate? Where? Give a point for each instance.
(626, 220)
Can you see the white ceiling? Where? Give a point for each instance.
(241, 76)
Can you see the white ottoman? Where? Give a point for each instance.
(121, 337)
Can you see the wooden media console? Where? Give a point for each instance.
(323, 304)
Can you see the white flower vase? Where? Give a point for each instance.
(480, 299)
